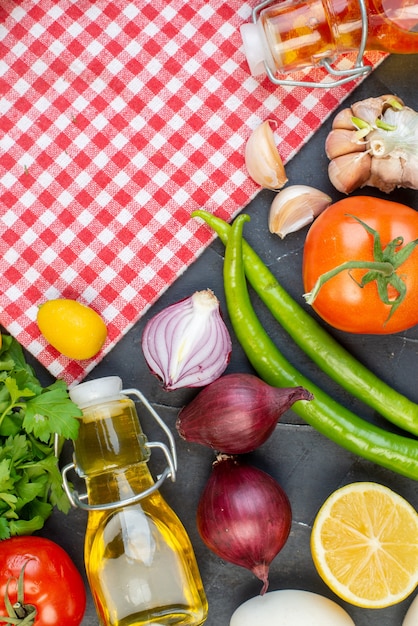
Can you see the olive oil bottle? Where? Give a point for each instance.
(139, 559)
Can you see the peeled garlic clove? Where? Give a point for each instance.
(350, 171)
(295, 207)
(342, 141)
(263, 160)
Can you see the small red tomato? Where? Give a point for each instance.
(336, 237)
(53, 586)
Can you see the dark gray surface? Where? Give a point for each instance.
(308, 466)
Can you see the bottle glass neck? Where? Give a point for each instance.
(110, 439)
(118, 485)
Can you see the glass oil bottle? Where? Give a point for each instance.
(293, 35)
(139, 559)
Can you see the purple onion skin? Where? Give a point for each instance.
(236, 413)
(244, 516)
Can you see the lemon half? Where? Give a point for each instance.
(364, 544)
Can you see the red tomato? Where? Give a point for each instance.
(52, 583)
(334, 238)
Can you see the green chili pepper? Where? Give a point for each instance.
(392, 451)
(317, 343)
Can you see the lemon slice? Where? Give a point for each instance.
(364, 544)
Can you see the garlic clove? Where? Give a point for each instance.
(386, 173)
(344, 119)
(350, 171)
(263, 160)
(371, 109)
(295, 207)
(342, 141)
(410, 172)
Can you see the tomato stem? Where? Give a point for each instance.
(383, 268)
(19, 609)
(19, 613)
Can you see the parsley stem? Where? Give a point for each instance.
(9, 408)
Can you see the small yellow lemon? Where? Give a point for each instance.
(72, 328)
(364, 544)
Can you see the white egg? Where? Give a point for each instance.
(411, 617)
(290, 607)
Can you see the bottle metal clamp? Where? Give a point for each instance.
(78, 501)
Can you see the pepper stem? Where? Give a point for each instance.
(381, 270)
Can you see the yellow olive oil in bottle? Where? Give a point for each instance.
(139, 559)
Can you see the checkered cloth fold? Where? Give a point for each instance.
(117, 120)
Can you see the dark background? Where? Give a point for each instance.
(306, 464)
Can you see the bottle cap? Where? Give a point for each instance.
(94, 391)
(255, 48)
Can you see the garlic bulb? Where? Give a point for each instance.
(188, 344)
(374, 143)
(263, 160)
(295, 207)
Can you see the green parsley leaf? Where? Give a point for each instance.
(30, 418)
(51, 412)
(27, 527)
(15, 393)
(4, 528)
(6, 482)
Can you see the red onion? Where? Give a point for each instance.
(236, 413)
(244, 516)
(188, 344)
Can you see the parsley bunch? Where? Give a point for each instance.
(30, 417)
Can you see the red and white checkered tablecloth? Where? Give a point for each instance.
(118, 118)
